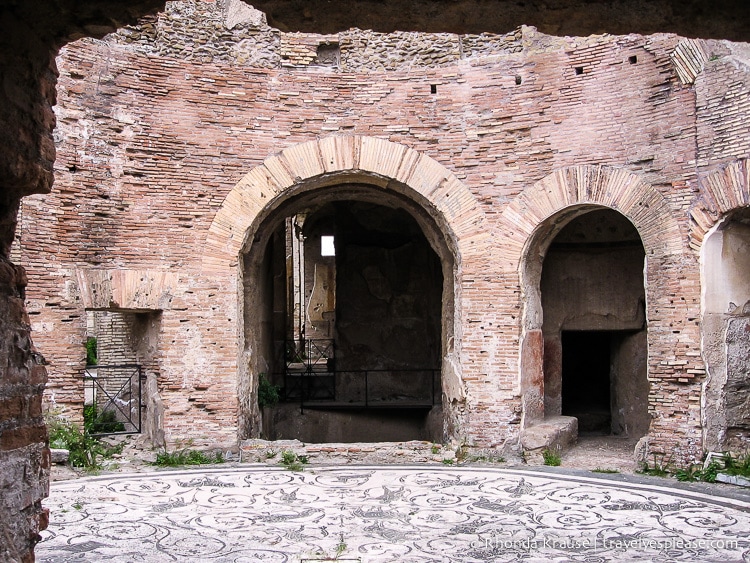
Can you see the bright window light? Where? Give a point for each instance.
(326, 246)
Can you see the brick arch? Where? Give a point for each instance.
(528, 224)
(340, 159)
(616, 188)
(722, 190)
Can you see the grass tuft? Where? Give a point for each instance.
(187, 457)
(551, 458)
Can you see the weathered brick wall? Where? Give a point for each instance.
(723, 104)
(32, 32)
(153, 136)
(24, 456)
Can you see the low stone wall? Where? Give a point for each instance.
(415, 451)
(376, 453)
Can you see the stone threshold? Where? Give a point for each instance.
(414, 451)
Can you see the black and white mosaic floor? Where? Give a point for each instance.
(374, 514)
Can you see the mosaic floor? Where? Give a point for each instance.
(373, 514)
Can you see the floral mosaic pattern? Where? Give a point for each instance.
(367, 514)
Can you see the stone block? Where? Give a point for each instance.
(557, 433)
(58, 455)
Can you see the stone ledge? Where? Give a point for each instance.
(556, 433)
(415, 451)
(733, 480)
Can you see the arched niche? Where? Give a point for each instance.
(536, 216)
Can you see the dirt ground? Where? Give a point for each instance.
(613, 453)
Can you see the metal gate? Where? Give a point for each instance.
(112, 399)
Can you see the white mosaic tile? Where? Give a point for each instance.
(374, 514)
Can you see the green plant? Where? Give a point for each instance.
(487, 458)
(104, 423)
(435, 449)
(187, 457)
(83, 450)
(292, 461)
(340, 548)
(739, 466)
(692, 473)
(551, 458)
(709, 473)
(603, 470)
(660, 467)
(91, 351)
(268, 393)
(449, 461)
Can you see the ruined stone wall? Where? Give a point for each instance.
(26, 154)
(154, 135)
(32, 32)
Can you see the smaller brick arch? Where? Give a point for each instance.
(606, 186)
(722, 190)
(528, 223)
(336, 160)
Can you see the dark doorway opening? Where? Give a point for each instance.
(586, 379)
(346, 305)
(594, 327)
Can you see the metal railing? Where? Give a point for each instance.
(389, 387)
(112, 399)
(311, 378)
(365, 388)
(308, 369)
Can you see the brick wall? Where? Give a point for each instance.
(160, 124)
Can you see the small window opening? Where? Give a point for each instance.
(327, 248)
(433, 88)
(518, 79)
(632, 59)
(579, 70)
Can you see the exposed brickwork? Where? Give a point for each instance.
(169, 161)
(24, 456)
(32, 32)
(722, 190)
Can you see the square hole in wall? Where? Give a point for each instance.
(632, 59)
(329, 54)
(579, 70)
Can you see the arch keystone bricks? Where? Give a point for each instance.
(722, 190)
(356, 158)
(616, 188)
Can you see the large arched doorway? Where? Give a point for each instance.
(355, 168)
(344, 293)
(594, 327)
